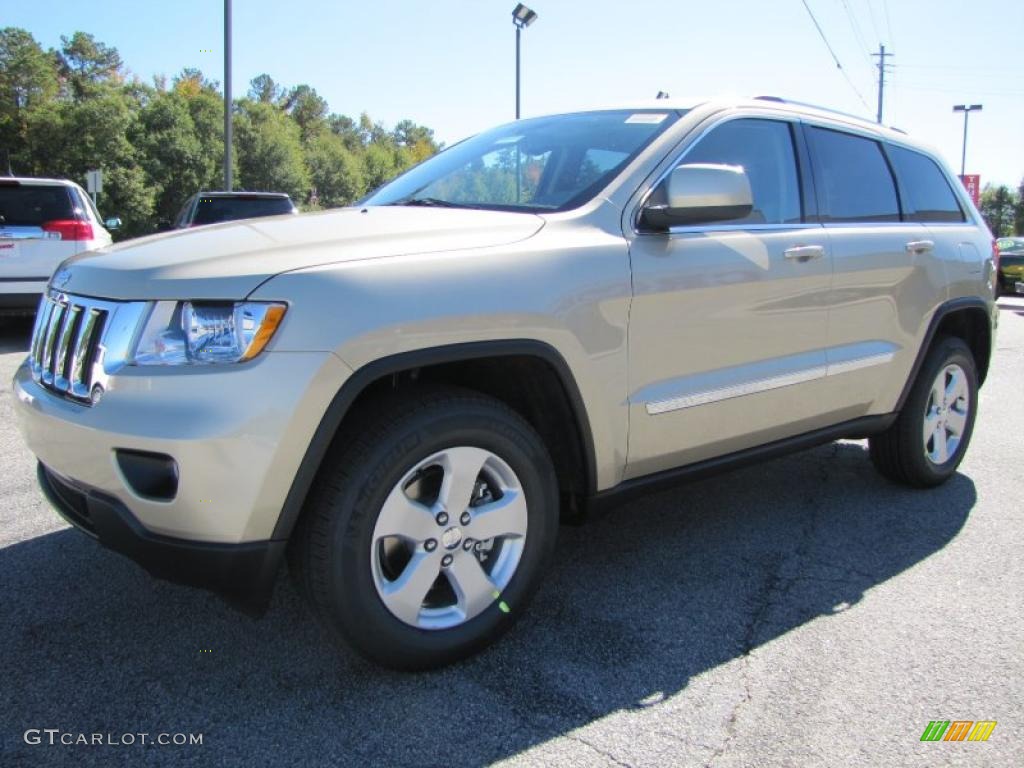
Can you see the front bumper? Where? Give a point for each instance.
(243, 574)
(236, 435)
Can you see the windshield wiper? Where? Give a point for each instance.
(431, 202)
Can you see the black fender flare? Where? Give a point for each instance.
(945, 309)
(421, 358)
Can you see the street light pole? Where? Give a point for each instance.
(966, 109)
(519, 31)
(227, 96)
(521, 17)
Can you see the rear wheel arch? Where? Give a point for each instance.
(545, 371)
(966, 318)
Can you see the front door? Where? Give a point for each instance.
(729, 322)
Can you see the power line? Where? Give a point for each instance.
(933, 89)
(888, 21)
(874, 23)
(835, 58)
(855, 27)
(851, 17)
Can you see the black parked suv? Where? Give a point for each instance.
(214, 207)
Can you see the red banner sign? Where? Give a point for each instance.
(972, 182)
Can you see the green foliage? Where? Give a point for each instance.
(1018, 214)
(336, 172)
(66, 112)
(270, 154)
(999, 205)
(28, 80)
(85, 64)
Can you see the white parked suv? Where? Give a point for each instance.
(402, 396)
(42, 222)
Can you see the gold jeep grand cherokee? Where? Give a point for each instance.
(400, 397)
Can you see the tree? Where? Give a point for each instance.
(269, 148)
(263, 89)
(170, 151)
(191, 82)
(308, 109)
(1018, 215)
(998, 206)
(86, 63)
(335, 171)
(347, 130)
(66, 112)
(28, 80)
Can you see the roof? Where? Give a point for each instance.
(42, 182)
(783, 104)
(243, 193)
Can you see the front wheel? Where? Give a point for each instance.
(928, 440)
(425, 536)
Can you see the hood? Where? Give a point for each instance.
(228, 261)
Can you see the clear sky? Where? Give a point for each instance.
(449, 64)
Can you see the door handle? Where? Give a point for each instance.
(920, 246)
(804, 253)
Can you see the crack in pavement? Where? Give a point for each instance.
(772, 593)
(600, 751)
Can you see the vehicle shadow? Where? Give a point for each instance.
(638, 603)
(15, 334)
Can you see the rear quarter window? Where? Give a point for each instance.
(27, 205)
(853, 178)
(927, 196)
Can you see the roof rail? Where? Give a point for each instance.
(781, 100)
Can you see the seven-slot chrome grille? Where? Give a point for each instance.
(66, 343)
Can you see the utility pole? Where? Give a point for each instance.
(227, 95)
(881, 56)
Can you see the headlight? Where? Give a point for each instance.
(200, 333)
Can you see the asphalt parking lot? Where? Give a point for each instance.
(803, 612)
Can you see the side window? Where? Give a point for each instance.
(927, 194)
(854, 180)
(595, 163)
(764, 148)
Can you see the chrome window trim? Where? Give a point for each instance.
(712, 228)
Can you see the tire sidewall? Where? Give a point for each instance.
(950, 351)
(355, 608)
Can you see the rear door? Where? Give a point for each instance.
(886, 275)
(928, 199)
(35, 220)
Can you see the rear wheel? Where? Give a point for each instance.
(424, 538)
(928, 440)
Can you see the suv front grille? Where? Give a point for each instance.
(66, 343)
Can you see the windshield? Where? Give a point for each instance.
(536, 165)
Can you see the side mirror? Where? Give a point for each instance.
(163, 225)
(700, 194)
(112, 223)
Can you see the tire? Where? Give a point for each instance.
(904, 453)
(401, 469)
